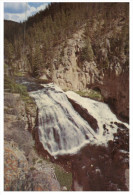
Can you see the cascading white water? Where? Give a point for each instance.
(101, 112)
(61, 129)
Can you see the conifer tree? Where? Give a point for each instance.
(36, 61)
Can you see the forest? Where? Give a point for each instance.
(35, 40)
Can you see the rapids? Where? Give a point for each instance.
(62, 130)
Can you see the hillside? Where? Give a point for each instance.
(87, 41)
(67, 51)
(11, 26)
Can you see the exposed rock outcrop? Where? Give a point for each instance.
(70, 73)
(66, 71)
(85, 115)
(15, 165)
(24, 169)
(115, 90)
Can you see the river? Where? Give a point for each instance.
(98, 158)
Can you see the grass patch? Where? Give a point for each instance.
(18, 74)
(14, 87)
(28, 99)
(96, 95)
(64, 178)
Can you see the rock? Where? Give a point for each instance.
(115, 90)
(69, 75)
(98, 171)
(15, 164)
(77, 186)
(44, 77)
(24, 169)
(127, 178)
(36, 181)
(72, 74)
(84, 113)
(64, 188)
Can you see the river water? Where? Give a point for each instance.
(62, 130)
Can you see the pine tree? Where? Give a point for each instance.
(37, 61)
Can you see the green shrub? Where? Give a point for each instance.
(64, 178)
(26, 98)
(14, 87)
(87, 52)
(93, 94)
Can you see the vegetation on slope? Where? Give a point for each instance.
(49, 28)
(64, 177)
(93, 94)
(11, 86)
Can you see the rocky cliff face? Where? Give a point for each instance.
(88, 48)
(115, 90)
(70, 73)
(24, 169)
(95, 55)
(65, 65)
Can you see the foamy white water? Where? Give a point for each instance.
(61, 129)
(102, 113)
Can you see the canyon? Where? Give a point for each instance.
(66, 99)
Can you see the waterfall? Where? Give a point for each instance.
(62, 130)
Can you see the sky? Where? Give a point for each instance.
(19, 12)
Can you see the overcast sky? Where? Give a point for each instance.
(20, 11)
